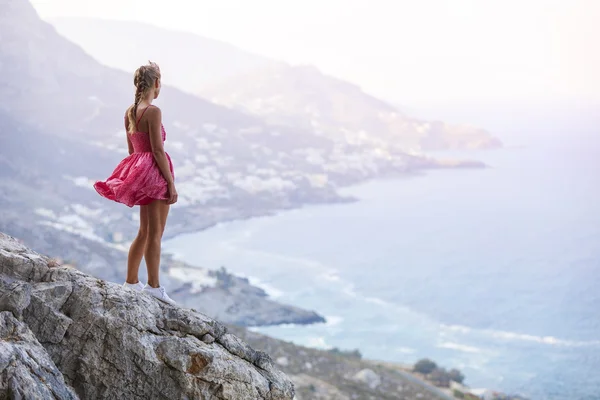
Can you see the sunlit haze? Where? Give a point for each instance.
(356, 198)
(411, 52)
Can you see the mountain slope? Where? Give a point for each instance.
(39, 74)
(303, 96)
(292, 96)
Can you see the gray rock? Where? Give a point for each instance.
(27, 371)
(369, 377)
(15, 297)
(208, 339)
(113, 343)
(44, 316)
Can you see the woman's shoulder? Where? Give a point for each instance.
(153, 108)
(153, 111)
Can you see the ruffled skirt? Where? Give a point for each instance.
(136, 181)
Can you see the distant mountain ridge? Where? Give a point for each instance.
(303, 96)
(188, 61)
(295, 96)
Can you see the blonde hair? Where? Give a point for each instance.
(143, 79)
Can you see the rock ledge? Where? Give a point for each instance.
(67, 335)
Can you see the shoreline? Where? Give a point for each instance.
(342, 198)
(444, 165)
(261, 214)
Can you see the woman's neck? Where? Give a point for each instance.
(146, 102)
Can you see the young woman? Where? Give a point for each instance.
(144, 178)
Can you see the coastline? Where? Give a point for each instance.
(173, 232)
(440, 164)
(342, 197)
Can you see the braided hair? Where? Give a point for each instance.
(143, 79)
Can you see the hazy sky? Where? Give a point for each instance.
(411, 51)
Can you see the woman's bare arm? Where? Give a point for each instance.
(154, 117)
(154, 122)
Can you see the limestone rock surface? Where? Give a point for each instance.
(78, 336)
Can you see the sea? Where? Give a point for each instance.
(493, 271)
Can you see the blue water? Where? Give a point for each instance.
(495, 272)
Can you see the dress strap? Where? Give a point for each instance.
(140, 118)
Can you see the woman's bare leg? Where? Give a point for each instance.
(158, 211)
(136, 250)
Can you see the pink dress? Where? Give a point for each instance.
(137, 180)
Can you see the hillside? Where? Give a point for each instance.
(303, 96)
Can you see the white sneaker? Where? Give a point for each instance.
(138, 287)
(160, 293)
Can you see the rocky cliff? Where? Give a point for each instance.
(67, 335)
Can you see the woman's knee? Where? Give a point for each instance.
(153, 242)
(156, 221)
(143, 233)
(155, 233)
